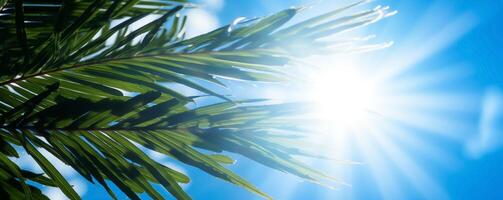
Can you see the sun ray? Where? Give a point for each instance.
(373, 157)
(418, 177)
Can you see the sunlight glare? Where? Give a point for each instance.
(341, 95)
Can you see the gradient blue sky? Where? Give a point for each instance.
(440, 139)
(448, 57)
(447, 52)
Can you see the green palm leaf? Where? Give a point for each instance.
(79, 80)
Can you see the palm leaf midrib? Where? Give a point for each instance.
(102, 61)
(89, 129)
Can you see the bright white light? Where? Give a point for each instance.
(341, 95)
(200, 21)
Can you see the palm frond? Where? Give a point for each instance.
(67, 85)
(34, 30)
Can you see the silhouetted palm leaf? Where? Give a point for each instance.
(81, 79)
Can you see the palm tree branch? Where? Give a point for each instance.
(120, 105)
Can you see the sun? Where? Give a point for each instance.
(341, 95)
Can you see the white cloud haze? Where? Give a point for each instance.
(490, 133)
(203, 19)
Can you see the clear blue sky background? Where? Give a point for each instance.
(444, 38)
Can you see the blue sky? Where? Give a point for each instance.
(446, 66)
(440, 95)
